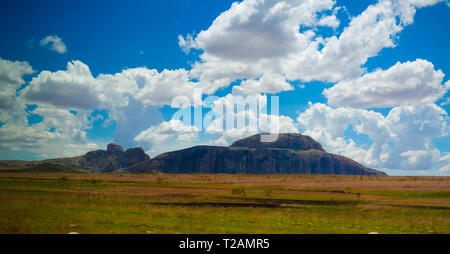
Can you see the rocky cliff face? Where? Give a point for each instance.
(290, 154)
(113, 158)
(291, 141)
(99, 161)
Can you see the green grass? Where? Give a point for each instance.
(94, 206)
(99, 214)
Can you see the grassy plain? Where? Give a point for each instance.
(198, 203)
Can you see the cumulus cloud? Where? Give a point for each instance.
(185, 44)
(424, 3)
(165, 130)
(132, 120)
(77, 88)
(54, 43)
(59, 134)
(269, 83)
(72, 88)
(404, 83)
(168, 135)
(265, 31)
(256, 37)
(160, 88)
(230, 118)
(234, 117)
(131, 92)
(11, 78)
(330, 21)
(444, 163)
(392, 144)
(265, 44)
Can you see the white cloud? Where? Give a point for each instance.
(444, 163)
(164, 131)
(56, 93)
(447, 101)
(268, 83)
(402, 140)
(76, 88)
(55, 43)
(132, 120)
(168, 135)
(404, 83)
(253, 122)
(330, 21)
(13, 72)
(269, 41)
(174, 134)
(68, 137)
(72, 88)
(11, 78)
(185, 44)
(263, 43)
(68, 125)
(266, 32)
(424, 3)
(159, 88)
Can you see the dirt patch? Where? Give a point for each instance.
(422, 207)
(294, 201)
(177, 196)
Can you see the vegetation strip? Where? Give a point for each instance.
(220, 204)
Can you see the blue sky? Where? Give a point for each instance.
(364, 78)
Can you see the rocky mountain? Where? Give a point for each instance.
(291, 141)
(290, 154)
(113, 158)
(99, 161)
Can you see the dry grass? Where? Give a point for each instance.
(303, 182)
(169, 203)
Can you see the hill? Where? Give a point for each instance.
(46, 168)
(290, 154)
(99, 161)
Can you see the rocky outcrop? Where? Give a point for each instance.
(113, 158)
(101, 161)
(291, 141)
(290, 154)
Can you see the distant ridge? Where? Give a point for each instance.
(45, 168)
(291, 153)
(98, 161)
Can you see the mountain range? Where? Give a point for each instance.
(291, 153)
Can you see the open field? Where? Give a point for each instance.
(196, 203)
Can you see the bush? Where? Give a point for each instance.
(63, 179)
